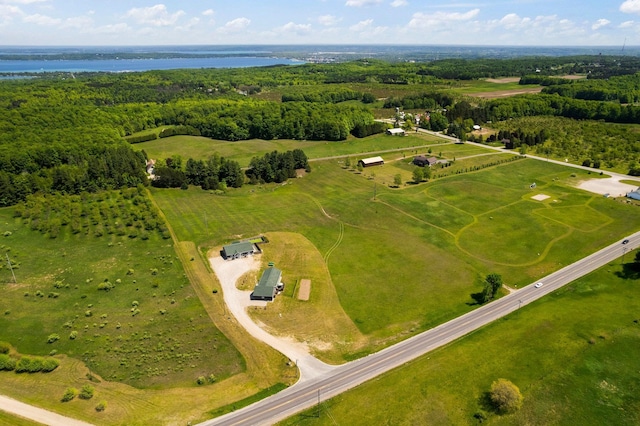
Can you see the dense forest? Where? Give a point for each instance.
(62, 133)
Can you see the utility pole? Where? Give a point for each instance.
(11, 267)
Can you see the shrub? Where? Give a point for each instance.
(86, 392)
(28, 364)
(201, 380)
(53, 337)
(73, 335)
(4, 347)
(7, 363)
(106, 286)
(69, 394)
(49, 364)
(101, 406)
(505, 396)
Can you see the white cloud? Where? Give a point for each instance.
(119, 29)
(78, 22)
(424, 20)
(234, 26)
(512, 20)
(7, 13)
(40, 20)
(208, 12)
(293, 28)
(398, 3)
(630, 6)
(157, 15)
(362, 25)
(328, 20)
(600, 23)
(362, 3)
(627, 24)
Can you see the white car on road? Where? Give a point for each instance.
(538, 285)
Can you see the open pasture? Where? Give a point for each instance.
(573, 355)
(243, 151)
(411, 258)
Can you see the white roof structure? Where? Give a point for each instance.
(395, 131)
(372, 160)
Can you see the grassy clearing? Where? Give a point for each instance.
(573, 355)
(199, 147)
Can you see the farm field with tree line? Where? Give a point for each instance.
(121, 266)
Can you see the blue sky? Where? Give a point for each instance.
(210, 22)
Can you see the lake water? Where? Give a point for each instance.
(128, 65)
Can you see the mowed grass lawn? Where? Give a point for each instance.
(573, 354)
(201, 148)
(413, 257)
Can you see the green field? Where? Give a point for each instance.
(387, 262)
(450, 222)
(573, 355)
(199, 147)
(134, 317)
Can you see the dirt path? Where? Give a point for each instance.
(37, 414)
(238, 301)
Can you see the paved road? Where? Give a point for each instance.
(298, 398)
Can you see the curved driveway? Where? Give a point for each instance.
(305, 395)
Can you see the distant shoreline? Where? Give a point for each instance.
(40, 59)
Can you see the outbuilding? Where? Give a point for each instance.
(269, 284)
(395, 132)
(423, 160)
(373, 161)
(634, 195)
(238, 249)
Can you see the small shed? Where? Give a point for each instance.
(269, 284)
(395, 132)
(238, 249)
(373, 161)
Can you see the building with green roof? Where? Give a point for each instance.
(238, 249)
(269, 284)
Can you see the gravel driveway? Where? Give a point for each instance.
(611, 186)
(228, 273)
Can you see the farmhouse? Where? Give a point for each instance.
(422, 161)
(238, 249)
(373, 161)
(269, 284)
(395, 132)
